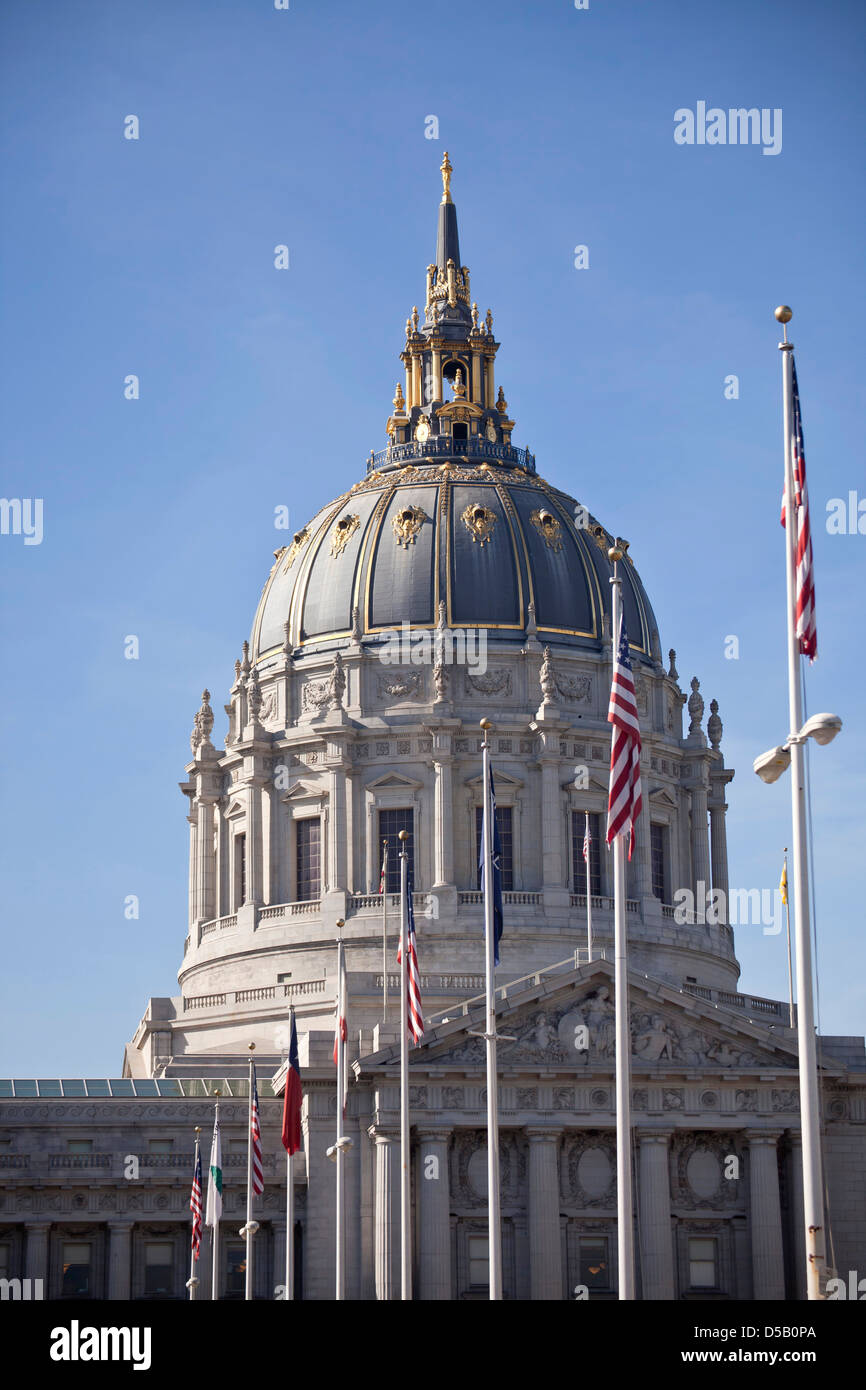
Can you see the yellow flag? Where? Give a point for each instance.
(783, 882)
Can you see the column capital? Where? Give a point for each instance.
(647, 1135)
(381, 1134)
(539, 1133)
(121, 1225)
(40, 1225)
(762, 1136)
(434, 1133)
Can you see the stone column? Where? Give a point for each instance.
(643, 846)
(545, 1255)
(476, 379)
(386, 1231)
(488, 382)
(443, 829)
(700, 845)
(193, 876)
(797, 1213)
(719, 844)
(416, 380)
(119, 1263)
(279, 1247)
(337, 831)
(552, 868)
(657, 1250)
(765, 1215)
(436, 363)
(36, 1255)
(254, 844)
(205, 856)
(434, 1199)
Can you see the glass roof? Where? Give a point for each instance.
(117, 1088)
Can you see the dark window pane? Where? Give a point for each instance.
(658, 854)
(236, 1271)
(504, 822)
(391, 822)
(308, 858)
(578, 828)
(594, 1268)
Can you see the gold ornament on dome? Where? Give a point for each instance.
(479, 522)
(300, 539)
(422, 430)
(548, 527)
(406, 523)
(342, 533)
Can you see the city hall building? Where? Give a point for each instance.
(451, 582)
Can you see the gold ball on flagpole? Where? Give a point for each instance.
(198, 1129)
(252, 1047)
(485, 724)
(402, 834)
(615, 553)
(783, 314)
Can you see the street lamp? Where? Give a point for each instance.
(823, 728)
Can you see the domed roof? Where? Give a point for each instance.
(487, 540)
(450, 513)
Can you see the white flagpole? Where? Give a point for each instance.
(587, 842)
(813, 1184)
(251, 1226)
(215, 1228)
(384, 931)
(405, 1173)
(290, 1193)
(788, 933)
(624, 1202)
(494, 1233)
(341, 1090)
(193, 1282)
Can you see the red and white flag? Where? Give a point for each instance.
(414, 1015)
(341, 1030)
(806, 626)
(195, 1204)
(624, 799)
(587, 840)
(256, 1141)
(383, 877)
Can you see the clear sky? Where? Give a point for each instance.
(261, 388)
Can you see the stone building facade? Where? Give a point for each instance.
(450, 583)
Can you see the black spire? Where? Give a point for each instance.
(447, 240)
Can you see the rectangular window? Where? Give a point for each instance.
(76, 1270)
(703, 1273)
(79, 1146)
(479, 1262)
(236, 1271)
(308, 859)
(390, 825)
(594, 1263)
(240, 870)
(158, 1269)
(504, 822)
(578, 867)
(658, 853)
(159, 1146)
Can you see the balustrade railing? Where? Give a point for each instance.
(444, 446)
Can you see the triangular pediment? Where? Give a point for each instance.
(393, 781)
(301, 790)
(566, 1024)
(236, 808)
(500, 779)
(660, 796)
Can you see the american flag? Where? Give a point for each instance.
(624, 800)
(340, 1028)
(195, 1204)
(807, 631)
(587, 840)
(413, 988)
(256, 1141)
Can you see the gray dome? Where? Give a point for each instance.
(488, 540)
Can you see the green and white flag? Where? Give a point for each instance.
(214, 1208)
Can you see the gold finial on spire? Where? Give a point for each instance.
(457, 385)
(446, 169)
(399, 401)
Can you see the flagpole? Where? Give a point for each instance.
(624, 1202)
(788, 932)
(588, 844)
(341, 1090)
(813, 1185)
(405, 1174)
(193, 1282)
(250, 1226)
(215, 1228)
(384, 931)
(494, 1233)
(290, 1192)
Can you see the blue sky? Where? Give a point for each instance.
(262, 388)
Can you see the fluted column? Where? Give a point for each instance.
(279, 1233)
(488, 382)
(719, 847)
(700, 844)
(416, 380)
(476, 378)
(385, 1227)
(436, 362)
(36, 1255)
(205, 861)
(657, 1249)
(443, 827)
(254, 844)
(193, 875)
(644, 871)
(337, 830)
(765, 1215)
(119, 1263)
(434, 1198)
(796, 1213)
(545, 1254)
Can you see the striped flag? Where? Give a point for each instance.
(383, 877)
(340, 1026)
(256, 1141)
(291, 1135)
(215, 1179)
(195, 1204)
(587, 840)
(806, 626)
(624, 799)
(415, 1018)
(783, 882)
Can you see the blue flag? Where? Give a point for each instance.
(497, 870)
